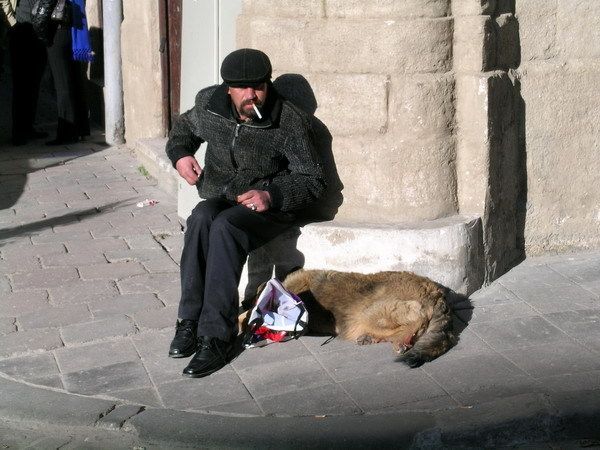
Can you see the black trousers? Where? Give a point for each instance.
(217, 241)
(28, 61)
(69, 83)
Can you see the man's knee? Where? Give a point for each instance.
(202, 215)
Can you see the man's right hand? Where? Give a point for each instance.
(188, 169)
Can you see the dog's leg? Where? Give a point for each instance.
(367, 339)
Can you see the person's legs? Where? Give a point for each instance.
(28, 60)
(59, 58)
(194, 256)
(233, 234)
(192, 273)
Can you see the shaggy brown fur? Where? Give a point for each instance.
(405, 309)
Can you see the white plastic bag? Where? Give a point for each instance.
(279, 315)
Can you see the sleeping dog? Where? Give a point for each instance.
(405, 309)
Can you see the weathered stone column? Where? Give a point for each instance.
(490, 152)
(382, 74)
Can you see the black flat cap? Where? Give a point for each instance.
(246, 67)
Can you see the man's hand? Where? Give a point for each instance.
(189, 169)
(258, 201)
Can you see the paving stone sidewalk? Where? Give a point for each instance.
(88, 294)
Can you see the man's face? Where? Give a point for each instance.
(244, 97)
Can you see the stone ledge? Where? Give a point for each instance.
(151, 154)
(446, 250)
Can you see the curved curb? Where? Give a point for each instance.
(508, 421)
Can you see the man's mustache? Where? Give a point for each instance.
(252, 102)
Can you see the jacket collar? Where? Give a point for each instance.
(220, 104)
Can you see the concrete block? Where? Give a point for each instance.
(285, 8)
(537, 32)
(4, 285)
(29, 367)
(408, 180)
(473, 7)
(15, 253)
(124, 305)
(55, 317)
(535, 8)
(285, 377)
(7, 325)
(143, 396)
(255, 358)
(582, 324)
(18, 303)
(422, 105)
(357, 9)
(105, 354)
(72, 259)
(111, 271)
(351, 104)
(445, 250)
(492, 371)
(105, 380)
(149, 283)
(44, 278)
(284, 40)
(322, 400)
(82, 291)
(99, 245)
(389, 390)
(57, 407)
(348, 51)
(376, 46)
(578, 29)
(561, 357)
(118, 326)
(472, 151)
(156, 318)
(518, 333)
(29, 341)
(474, 44)
(225, 387)
(115, 419)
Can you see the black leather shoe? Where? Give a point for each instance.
(184, 343)
(211, 356)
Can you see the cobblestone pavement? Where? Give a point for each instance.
(88, 294)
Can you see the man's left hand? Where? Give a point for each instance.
(259, 201)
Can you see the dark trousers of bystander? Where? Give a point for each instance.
(28, 61)
(69, 83)
(217, 241)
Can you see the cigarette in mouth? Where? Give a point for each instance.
(257, 111)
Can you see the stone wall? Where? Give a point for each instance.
(381, 72)
(142, 75)
(422, 105)
(559, 76)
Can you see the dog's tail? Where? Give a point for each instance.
(437, 339)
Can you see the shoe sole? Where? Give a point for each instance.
(200, 375)
(182, 355)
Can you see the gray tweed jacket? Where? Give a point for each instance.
(276, 154)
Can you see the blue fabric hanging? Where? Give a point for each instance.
(82, 49)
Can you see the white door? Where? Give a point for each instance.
(207, 36)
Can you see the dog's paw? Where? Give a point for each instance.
(365, 339)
